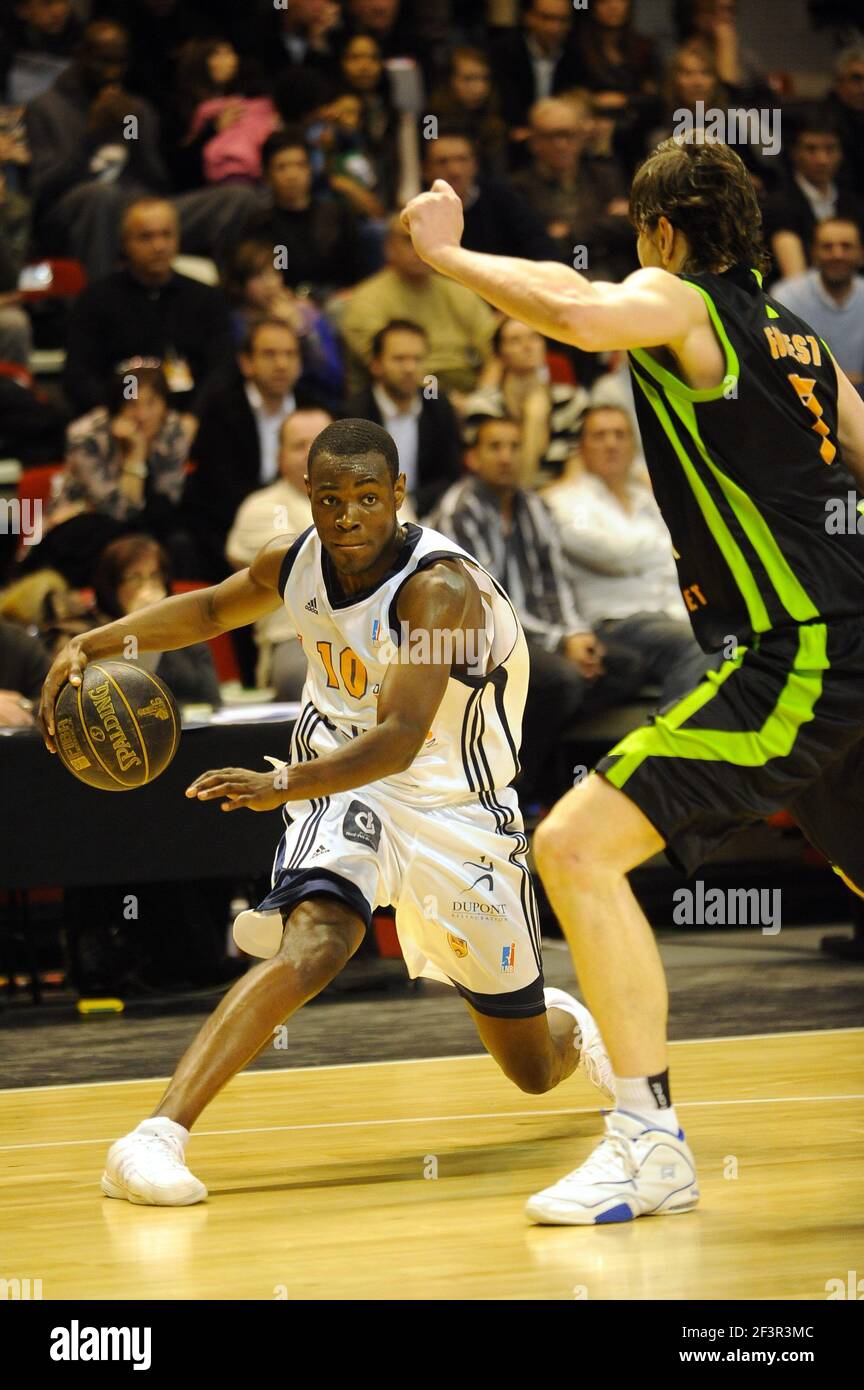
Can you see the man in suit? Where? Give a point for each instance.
(236, 448)
(539, 59)
(410, 406)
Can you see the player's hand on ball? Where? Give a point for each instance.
(257, 791)
(435, 220)
(68, 665)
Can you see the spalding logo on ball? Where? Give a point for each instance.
(118, 729)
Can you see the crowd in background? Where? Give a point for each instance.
(220, 186)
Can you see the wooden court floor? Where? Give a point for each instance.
(406, 1180)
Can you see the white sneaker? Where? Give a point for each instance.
(147, 1167)
(594, 1059)
(634, 1171)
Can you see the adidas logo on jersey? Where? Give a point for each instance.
(312, 606)
(322, 849)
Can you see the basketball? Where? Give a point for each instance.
(118, 729)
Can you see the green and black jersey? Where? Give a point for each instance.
(749, 475)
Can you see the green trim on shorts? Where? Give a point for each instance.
(665, 738)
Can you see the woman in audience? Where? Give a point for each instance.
(362, 73)
(224, 114)
(469, 99)
(131, 573)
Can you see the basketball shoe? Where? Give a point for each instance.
(593, 1057)
(634, 1171)
(147, 1167)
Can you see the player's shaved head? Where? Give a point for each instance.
(352, 439)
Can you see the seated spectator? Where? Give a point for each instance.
(32, 424)
(469, 100)
(342, 155)
(538, 59)
(361, 70)
(497, 219)
(582, 201)
(813, 192)
(126, 462)
(845, 105)
(294, 37)
(24, 665)
(226, 114)
(314, 236)
(612, 532)
(422, 422)
(281, 507)
(549, 413)
(394, 30)
(16, 333)
(613, 57)
(236, 448)
(513, 534)
(830, 296)
(132, 572)
(37, 45)
(256, 290)
(713, 23)
(459, 325)
(146, 310)
(691, 78)
(85, 168)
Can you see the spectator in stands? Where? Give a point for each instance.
(582, 201)
(713, 22)
(341, 154)
(845, 104)
(126, 460)
(94, 147)
(612, 532)
(16, 335)
(24, 665)
(146, 310)
(814, 191)
(32, 423)
(314, 237)
(362, 74)
(613, 57)
(132, 572)
(237, 446)
(830, 296)
(469, 100)
(458, 323)
(256, 290)
(224, 114)
(513, 534)
(281, 507)
(548, 413)
(408, 405)
(691, 78)
(497, 219)
(395, 32)
(539, 59)
(295, 36)
(37, 42)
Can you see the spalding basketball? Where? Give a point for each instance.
(118, 729)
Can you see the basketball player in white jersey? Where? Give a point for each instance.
(396, 791)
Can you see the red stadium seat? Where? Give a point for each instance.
(68, 279)
(35, 483)
(222, 648)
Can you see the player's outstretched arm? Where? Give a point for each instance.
(433, 603)
(651, 308)
(174, 622)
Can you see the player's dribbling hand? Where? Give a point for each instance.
(257, 791)
(68, 665)
(435, 220)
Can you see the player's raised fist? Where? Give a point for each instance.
(435, 221)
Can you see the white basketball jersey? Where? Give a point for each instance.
(472, 746)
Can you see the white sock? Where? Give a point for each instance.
(160, 1124)
(635, 1095)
